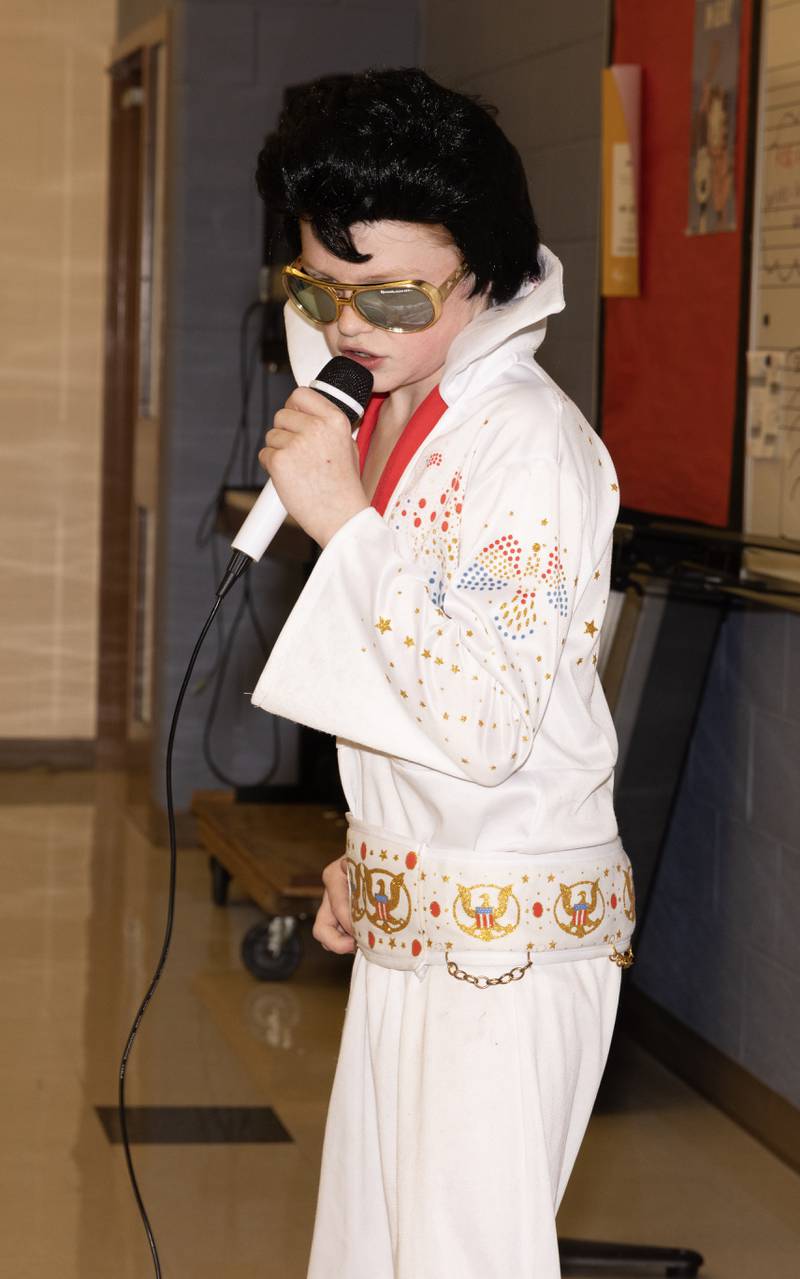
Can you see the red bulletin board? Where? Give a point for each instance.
(671, 356)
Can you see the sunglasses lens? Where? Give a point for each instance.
(405, 309)
(315, 302)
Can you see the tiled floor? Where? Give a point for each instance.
(81, 925)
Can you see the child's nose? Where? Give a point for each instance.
(350, 324)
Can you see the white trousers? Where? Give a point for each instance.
(455, 1118)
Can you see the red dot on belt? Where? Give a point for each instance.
(411, 860)
(371, 939)
(363, 849)
(436, 909)
(416, 947)
(537, 909)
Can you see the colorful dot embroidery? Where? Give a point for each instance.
(436, 589)
(555, 577)
(434, 511)
(497, 565)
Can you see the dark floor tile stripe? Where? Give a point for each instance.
(193, 1125)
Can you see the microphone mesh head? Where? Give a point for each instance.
(348, 376)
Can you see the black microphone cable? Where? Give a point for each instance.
(167, 935)
(237, 566)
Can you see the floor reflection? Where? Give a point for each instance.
(83, 915)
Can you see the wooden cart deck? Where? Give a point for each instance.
(276, 852)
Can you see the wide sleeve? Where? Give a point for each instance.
(449, 666)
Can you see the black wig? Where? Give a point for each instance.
(394, 144)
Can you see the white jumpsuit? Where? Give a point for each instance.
(448, 637)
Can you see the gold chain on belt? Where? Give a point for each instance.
(623, 959)
(513, 974)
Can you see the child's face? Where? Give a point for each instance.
(400, 251)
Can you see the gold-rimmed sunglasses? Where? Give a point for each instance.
(399, 306)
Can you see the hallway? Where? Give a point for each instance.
(82, 923)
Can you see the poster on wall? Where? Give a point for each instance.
(715, 86)
(622, 96)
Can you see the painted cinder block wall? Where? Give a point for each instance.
(231, 60)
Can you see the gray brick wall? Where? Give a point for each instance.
(231, 60)
(720, 949)
(540, 65)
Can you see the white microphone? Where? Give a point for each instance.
(346, 384)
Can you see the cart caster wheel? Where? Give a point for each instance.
(272, 950)
(220, 879)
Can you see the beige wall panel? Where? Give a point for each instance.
(53, 138)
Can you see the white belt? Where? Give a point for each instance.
(414, 904)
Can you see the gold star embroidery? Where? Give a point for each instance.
(594, 658)
(408, 641)
(544, 521)
(445, 715)
(469, 632)
(403, 693)
(552, 946)
(463, 718)
(550, 878)
(596, 574)
(439, 661)
(455, 669)
(591, 629)
(614, 487)
(392, 943)
(426, 652)
(446, 878)
(580, 659)
(524, 879)
(383, 624)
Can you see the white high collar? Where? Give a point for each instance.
(494, 338)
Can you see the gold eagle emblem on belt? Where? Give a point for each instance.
(483, 920)
(580, 907)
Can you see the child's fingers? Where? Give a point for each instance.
(329, 932)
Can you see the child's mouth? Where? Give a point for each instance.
(362, 357)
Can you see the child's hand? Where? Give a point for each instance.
(333, 925)
(312, 459)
